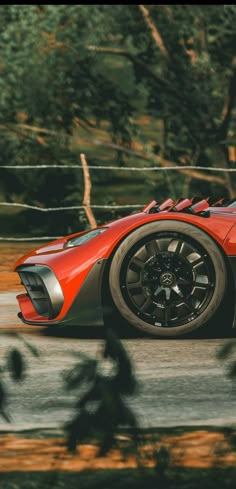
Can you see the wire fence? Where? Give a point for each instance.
(68, 208)
(123, 168)
(94, 206)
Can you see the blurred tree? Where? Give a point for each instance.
(184, 57)
(67, 68)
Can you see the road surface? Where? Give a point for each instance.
(181, 382)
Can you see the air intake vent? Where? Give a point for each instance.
(43, 289)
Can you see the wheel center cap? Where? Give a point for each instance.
(167, 279)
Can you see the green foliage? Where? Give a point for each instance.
(101, 408)
(71, 73)
(16, 364)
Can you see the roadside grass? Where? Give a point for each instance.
(175, 478)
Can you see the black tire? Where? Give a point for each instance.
(167, 278)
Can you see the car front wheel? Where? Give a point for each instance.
(167, 278)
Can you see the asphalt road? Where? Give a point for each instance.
(181, 382)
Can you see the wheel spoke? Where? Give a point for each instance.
(158, 290)
(201, 286)
(193, 257)
(201, 280)
(204, 287)
(134, 285)
(167, 314)
(136, 263)
(177, 290)
(196, 263)
(178, 249)
(189, 305)
(152, 248)
(146, 304)
(168, 293)
(183, 281)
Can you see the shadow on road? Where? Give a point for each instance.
(88, 332)
(91, 332)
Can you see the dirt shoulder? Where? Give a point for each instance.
(47, 451)
(9, 253)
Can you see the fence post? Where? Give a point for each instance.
(87, 193)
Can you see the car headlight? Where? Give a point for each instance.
(84, 238)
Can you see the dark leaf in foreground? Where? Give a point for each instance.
(232, 371)
(106, 443)
(3, 402)
(125, 380)
(83, 372)
(78, 429)
(2, 395)
(162, 457)
(16, 364)
(30, 347)
(226, 350)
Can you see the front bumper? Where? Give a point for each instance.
(44, 298)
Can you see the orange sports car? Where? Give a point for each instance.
(167, 270)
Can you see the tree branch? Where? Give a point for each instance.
(163, 162)
(154, 31)
(193, 173)
(158, 159)
(228, 107)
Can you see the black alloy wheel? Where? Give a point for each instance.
(167, 278)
